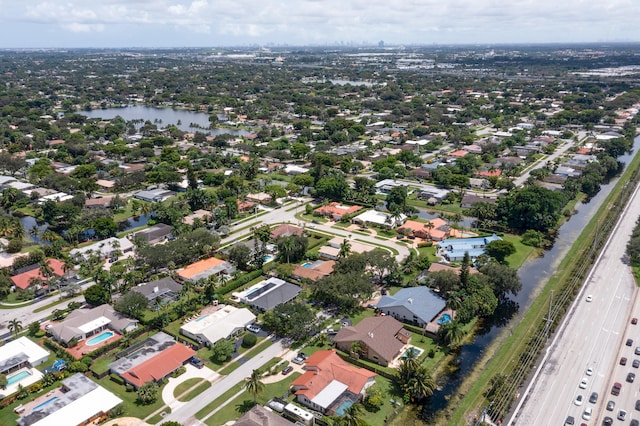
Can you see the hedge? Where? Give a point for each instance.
(235, 284)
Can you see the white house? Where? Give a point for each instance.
(224, 323)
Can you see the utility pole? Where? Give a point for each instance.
(548, 318)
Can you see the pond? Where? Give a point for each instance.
(163, 117)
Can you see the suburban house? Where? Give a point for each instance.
(98, 203)
(415, 305)
(435, 229)
(161, 356)
(166, 289)
(18, 360)
(260, 198)
(154, 195)
(453, 249)
(285, 230)
(468, 200)
(79, 401)
(84, 323)
(268, 294)
(374, 217)
(336, 210)
(104, 249)
(332, 250)
(205, 268)
(380, 339)
(201, 215)
(313, 271)
(260, 416)
(28, 275)
(328, 381)
(154, 234)
(225, 322)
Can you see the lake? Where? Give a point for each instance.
(163, 117)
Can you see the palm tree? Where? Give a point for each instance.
(352, 417)
(345, 249)
(15, 326)
(452, 333)
(429, 226)
(254, 385)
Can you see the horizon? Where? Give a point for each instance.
(44, 24)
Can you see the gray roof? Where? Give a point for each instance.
(423, 302)
(281, 294)
(158, 288)
(70, 327)
(260, 416)
(141, 352)
(154, 232)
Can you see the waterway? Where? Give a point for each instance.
(164, 117)
(534, 275)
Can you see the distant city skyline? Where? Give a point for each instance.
(201, 23)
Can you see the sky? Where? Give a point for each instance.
(207, 23)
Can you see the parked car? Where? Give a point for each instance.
(297, 360)
(631, 377)
(587, 413)
(615, 390)
(254, 328)
(637, 351)
(623, 361)
(608, 421)
(288, 369)
(611, 405)
(593, 398)
(629, 342)
(634, 321)
(579, 400)
(636, 363)
(196, 362)
(622, 415)
(583, 383)
(303, 355)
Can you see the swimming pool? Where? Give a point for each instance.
(444, 319)
(344, 405)
(17, 377)
(201, 318)
(411, 351)
(268, 258)
(306, 264)
(100, 338)
(48, 401)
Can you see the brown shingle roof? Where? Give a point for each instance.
(378, 333)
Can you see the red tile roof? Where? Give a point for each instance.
(23, 280)
(159, 366)
(325, 366)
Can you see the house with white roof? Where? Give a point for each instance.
(227, 321)
(78, 401)
(18, 360)
(104, 249)
(374, 217)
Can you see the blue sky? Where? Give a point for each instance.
(182, 23)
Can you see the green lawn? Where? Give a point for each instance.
(129, 404)
(197, 390)
(185, 386)
(522, 253)
(389, 392)
(234, 409)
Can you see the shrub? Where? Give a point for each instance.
(116, 379)
(14, 246)
(425, 244)
(249, 340)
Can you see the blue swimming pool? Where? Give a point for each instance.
(444, 319)
(411, 351)
(306, 264)
(100, 338)
(344, 405)
(201, 318)
(17, 377)
(268, 258)
(48, 401)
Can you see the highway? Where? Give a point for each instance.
(592, 335)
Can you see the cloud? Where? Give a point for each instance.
(309, 21)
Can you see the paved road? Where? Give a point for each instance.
(520, 180)
(185, 415)
(283, 216)
(592, 335)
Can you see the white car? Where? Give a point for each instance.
(587, 413)
(583, 383)
(579, 400)
(589, 371)
(589, 298)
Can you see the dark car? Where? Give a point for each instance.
(631, 377)
(629, 342)
(615, 390)
(623, 361)
(634, 321)
(303, 355)
(636, 363)
(570, 421)
(608, 421)
(196, 362)
(638, 404)
(634, 422)
(593, 398)
(611, 405)
(287, 370)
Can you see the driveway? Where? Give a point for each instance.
(191, 373)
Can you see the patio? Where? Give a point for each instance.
(82, 348)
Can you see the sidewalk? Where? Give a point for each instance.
(191, 373)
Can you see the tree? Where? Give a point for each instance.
(148, 393)
(333, 187)
(240, 254)
(292, 248)
(414, 380)
(294, 320)
(352, 417)
(531, 207)
(345, 249)
(500, 249)
(397, 199)
(373, 399)
(222, 351)
(502, 279)
(254, 385)
(451, 334)
(15, 327)
(3, 381)
(132, 304)
(34, 327)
